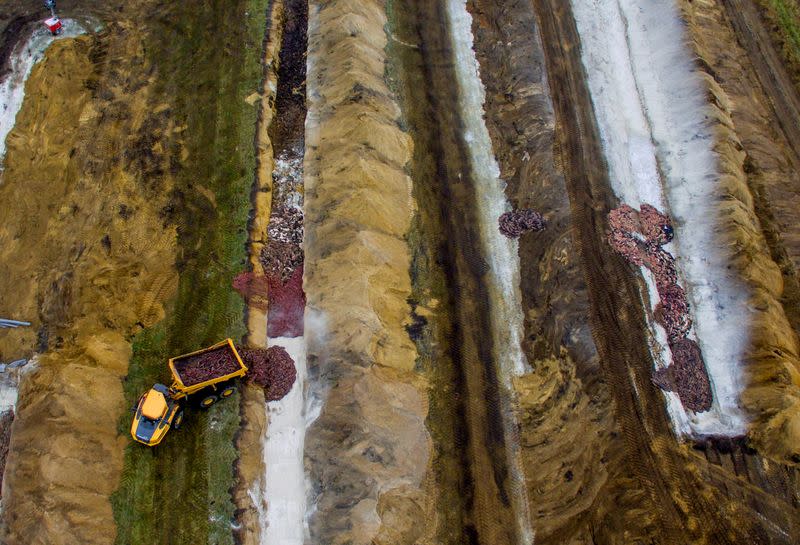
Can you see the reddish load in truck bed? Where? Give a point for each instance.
(206, 366)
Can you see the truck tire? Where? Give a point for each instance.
(227, 391)
(178, 420)
(208, 401)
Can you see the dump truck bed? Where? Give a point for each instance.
(207, 367)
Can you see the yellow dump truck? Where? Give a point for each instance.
(207, 375)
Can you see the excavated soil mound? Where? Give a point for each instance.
(638, 236)
(196, 369)
(272, 368)
(513, 224)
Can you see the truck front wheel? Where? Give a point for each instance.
(176, 423)
(208, 401)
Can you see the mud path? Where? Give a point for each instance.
(192, 472)
(685, 508)
(472, 464)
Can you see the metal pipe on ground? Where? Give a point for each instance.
(12, 323)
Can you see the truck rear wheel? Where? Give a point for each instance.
(227, 391)
(208, 401)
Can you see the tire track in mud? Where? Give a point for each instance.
(687, 509)
(472, 459)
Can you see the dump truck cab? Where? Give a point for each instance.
(156, 412)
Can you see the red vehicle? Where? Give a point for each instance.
(54, 25)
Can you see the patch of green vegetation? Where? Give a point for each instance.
(207, 56)
(785, 16)
(789, 17)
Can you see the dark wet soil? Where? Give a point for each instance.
(287, 130)
(14, 30)
(6, 419)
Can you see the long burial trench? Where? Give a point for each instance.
(679, 497)
(284, 479)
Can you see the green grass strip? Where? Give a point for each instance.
(207, 56)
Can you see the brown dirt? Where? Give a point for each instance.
(759, 192)
(368, 451)
(6, 419)
(770, 21)
(17, 27)
(87, 257)
(571, 448)
(249, 491)
(770, 68)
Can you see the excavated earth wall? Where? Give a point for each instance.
(758, 184)
(646, 486)
(368, 452)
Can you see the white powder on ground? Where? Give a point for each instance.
(651, 110)
(285, 478)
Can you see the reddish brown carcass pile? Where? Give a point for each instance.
(207, 366)
(513, 224)
(272, 368)
(639, 236)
